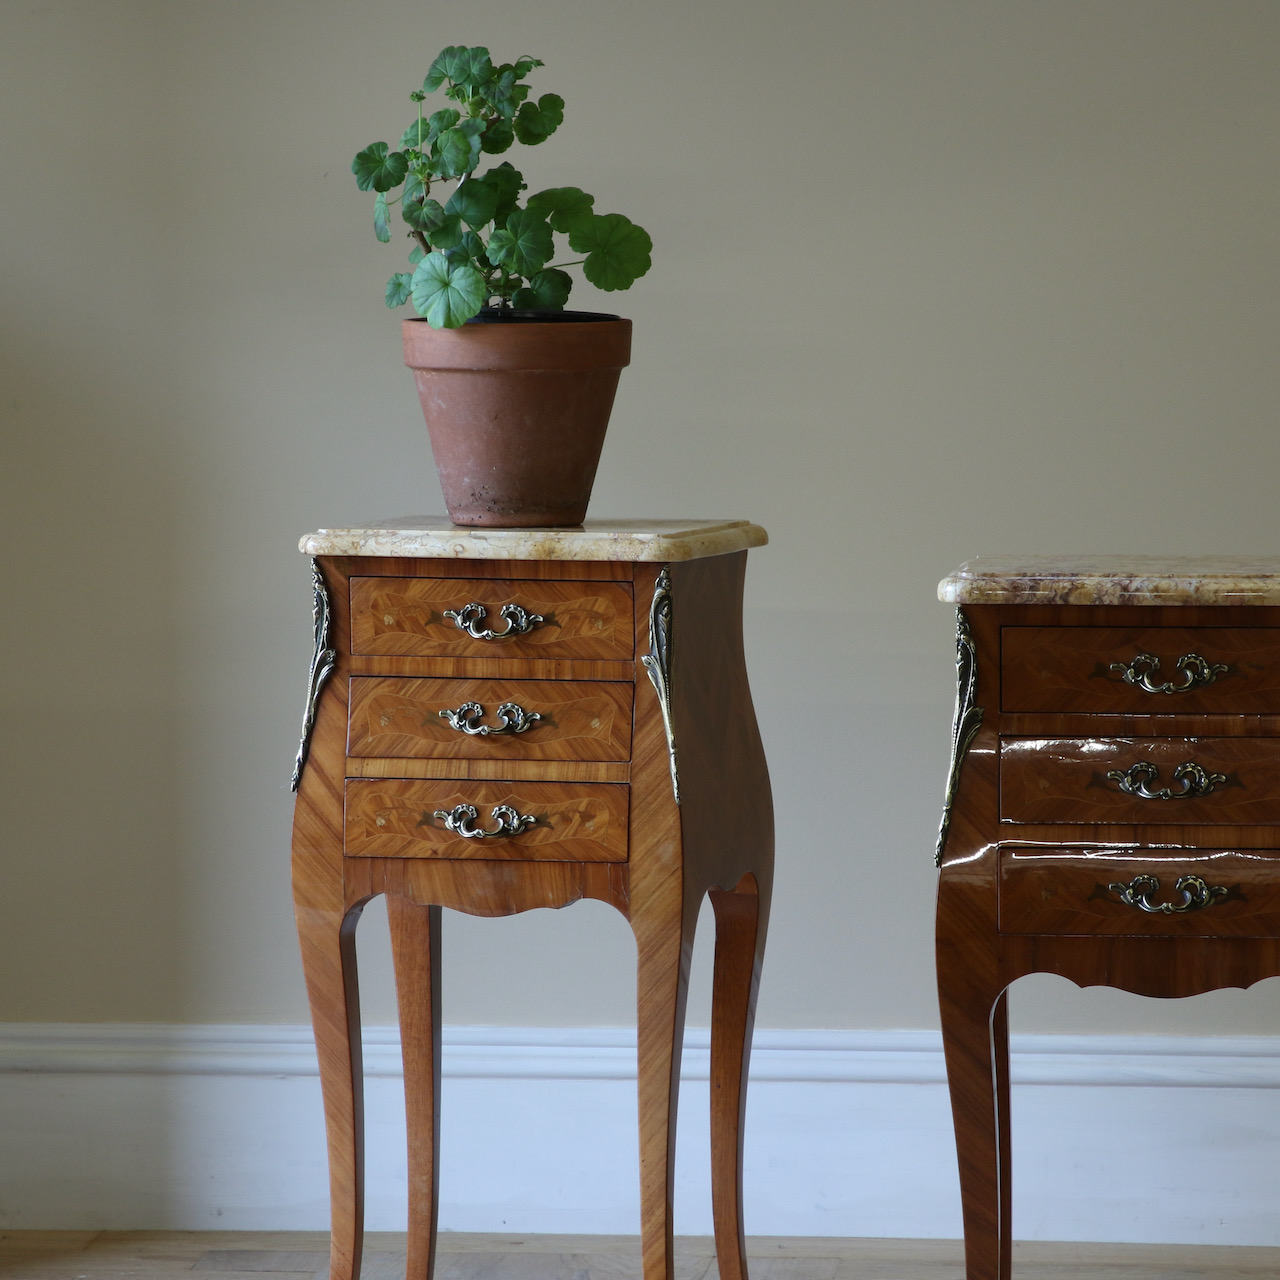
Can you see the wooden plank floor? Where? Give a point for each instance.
(245, 1255)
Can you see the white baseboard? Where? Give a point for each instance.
(1145, 1139)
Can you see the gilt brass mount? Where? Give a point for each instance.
(1196, 671)
(471, 618)
(1196, 894)
(462, 818)
(1195, 781)
(512, 718)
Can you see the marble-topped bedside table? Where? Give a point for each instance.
(1112, 814)
(506, 719)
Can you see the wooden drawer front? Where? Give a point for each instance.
(1061, 891)
(576, 822)
(405, 617)
(1066, 669)
(1052, 780)
(577, 720)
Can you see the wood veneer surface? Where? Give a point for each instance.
(1073, 669)
(1038, 778)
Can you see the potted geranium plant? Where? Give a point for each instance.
(515, 389)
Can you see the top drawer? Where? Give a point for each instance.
(1143, 670)
(406, 617)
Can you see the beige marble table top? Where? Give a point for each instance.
(1113, 579)
(630, 540)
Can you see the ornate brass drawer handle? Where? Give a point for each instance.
(512, 718)
(461, 820)
(1195, 894)
(471, 617)
(1197, 672)
(1195, 781)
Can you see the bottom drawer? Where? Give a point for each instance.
(426, 819)
(1232, 894)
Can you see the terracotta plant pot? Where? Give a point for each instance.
(517, 410)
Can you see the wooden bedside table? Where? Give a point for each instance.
(1113, 810)
(499, 720)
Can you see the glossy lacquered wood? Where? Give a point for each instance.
(1081, 891)
(1083, 669)
(1034, 896)
(365, 825)
(580, 720)
(1055, 780)
(405, 617)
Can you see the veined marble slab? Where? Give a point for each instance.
(430, 537)
(1162, 580)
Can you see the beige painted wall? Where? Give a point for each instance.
(931, 278)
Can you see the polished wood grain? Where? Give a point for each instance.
(576, 720)
(572, 822)
(510, 770)
(654, 859)
(415, 950)
(1008, 910)
(326, 920)
(1073, 669)
(1053, 780)
(728, 836)
(1069, 891)
(405, 616)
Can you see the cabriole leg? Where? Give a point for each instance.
(664, 943)
(975, 1039)
(329, 962)
(415, 949)
(740, 934)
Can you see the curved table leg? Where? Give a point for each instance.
(1000, 1063)
(740, 935)
(415, 950)
(974, 1037)
(664, 944)
(328, 942)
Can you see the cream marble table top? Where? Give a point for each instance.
(630, 540)
(1161, 580)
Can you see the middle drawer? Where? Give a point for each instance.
(489, 719)
(1140, 781)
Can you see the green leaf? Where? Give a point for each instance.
(497, 137)
(472, 67)
(470, 250)
(440, 226)
(523, 245)
(475, 201)
(508, 182)
(417, 135)
(447, 294)
(398, 288)
(422, 215)
(416, 254)
(548, 290)
(458, 150)
(525, 65)
(617, 251)
(447, 234)
(439, 121)
(460, 65)
(535, 123)
(564, 207)
(438, 72)
(375, 168)
(504, 91)
(381, 227)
